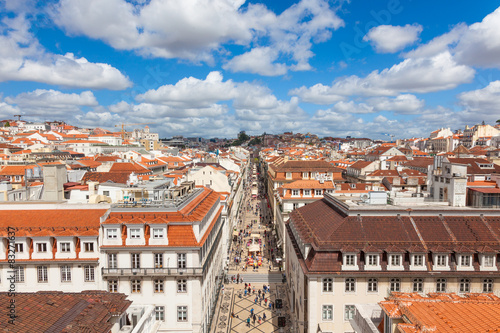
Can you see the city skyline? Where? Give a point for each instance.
(400, 68)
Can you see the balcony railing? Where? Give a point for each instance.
(111, 272)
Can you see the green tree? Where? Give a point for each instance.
(7, 124)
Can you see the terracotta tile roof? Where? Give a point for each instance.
(309, 184)
(53, 311)
(102, 177)
(15, 170)
(359, 165)
(441, 312)
(299, 166)
(128, 167)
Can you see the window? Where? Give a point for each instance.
(464, 286)
(317, 192)
(465, 260)
(328, 285)
(136, 286)
(41, 247)
(65, 274)
(112, 233)
(158, 233)
(106, 193)
(418, 260)
(160, 313)
(19, 248)
(135, 233)
(305, 175)
(288, 175)
(65, 247)
(441, 285)
(43, 275)
(181, 260)
(350, 260)
(89, 273)
(395, 260)
(136, 260)
(88, 246)
(327, 312)
(349, 312)
(350, 285)
(418, 285)
(18, 274)
(395, 285)
(181, 286)
(441, 260)
(295, 193)
(373, 260)
(307, 193)
(372, 285)
(112, 260)
(113, 286)
(182, 313)
(488, 261)
(158, 286)
(295, 206)
(158, 260)
(487, 286)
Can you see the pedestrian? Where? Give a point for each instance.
(260, 319)
(251, 312)
(270, 305)
(273, 305)
(256, 300)
(264, 316)
(248, 321)
(254, 318)
(245, 292)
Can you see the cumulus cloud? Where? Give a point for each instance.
(420, 75)
(43, 102)
(196, 30)
(480, 44)
(390, 39)
(486, 99)
(22, 58)
(351, 107)
(401, 104)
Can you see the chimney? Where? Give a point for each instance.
(54, 177)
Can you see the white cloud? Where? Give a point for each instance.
(196, 30)
(480, 44)
(41, 102)
(192, 92)
(402, 104)
(260, 60)
(438, 44)
(486, 99)
(351, 107)
(22, 58)
(420, 75)
(391, 39)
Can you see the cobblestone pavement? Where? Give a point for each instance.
(233, 300)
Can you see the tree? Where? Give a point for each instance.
(242, 137)
(7, 124)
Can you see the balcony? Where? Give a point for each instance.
(115, 272)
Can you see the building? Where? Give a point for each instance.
(471, 136)
(167, 255)
(342, 253)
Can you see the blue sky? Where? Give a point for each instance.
(213, 68)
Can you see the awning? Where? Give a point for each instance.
(254, 248)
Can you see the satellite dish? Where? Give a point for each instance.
(364, 196)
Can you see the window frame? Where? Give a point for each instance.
(181, 260)
(439, 260)
(487, 285)
(160, 313)
(42, 274)
(19, 247)
(418, 282)
(182, 313)
(112, 260)
(112, 233)
(65, 273)
(465, 260)
(158, 260)
(369, 260)
(350, 285)
(418, 260)
(19, 274)
(327, 312)
(41, 247)
(347, 260)
(396, 258)
(372, 285)
(158, 286)
(135, 260)
(88, 247)
(89, 273)
(327, 285)
(464, 286)
(113, 286)
(182, 286)
(135, 233)
(135, 286)
(395, 282)
(161, 234)
(349, 312)
(441, 285)
(65, 247)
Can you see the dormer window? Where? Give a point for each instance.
(307, 193)
(295, 193)
(65, 247)
(112, 233)
(465, 260)
(41, 247)
(395, 260)
(418, 260)
(441, 260)
(488, 262)
(288, 175)
(305, 175)
(158, 233)
(372, 260)
(317, 192)
(135, 233)
(350, 262)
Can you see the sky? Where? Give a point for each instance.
(214, 68)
